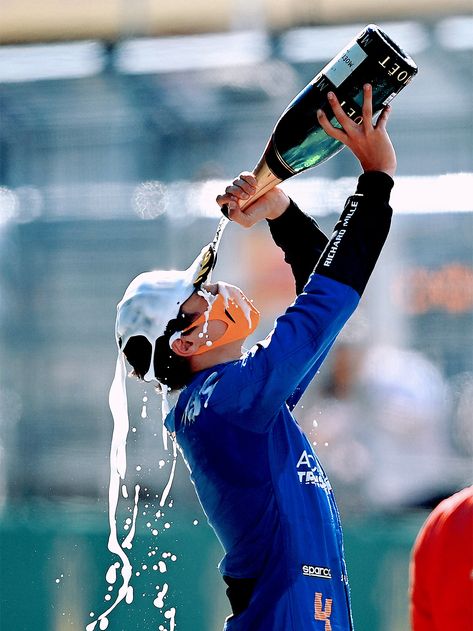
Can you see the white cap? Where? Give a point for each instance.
(152, 299)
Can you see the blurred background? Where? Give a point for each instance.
(119, 124)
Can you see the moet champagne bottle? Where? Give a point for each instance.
(298, 142)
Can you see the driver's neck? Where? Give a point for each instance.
(222, 354)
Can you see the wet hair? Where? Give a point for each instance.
(170, 369)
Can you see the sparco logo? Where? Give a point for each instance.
(316, 571)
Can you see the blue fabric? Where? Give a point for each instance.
(257, 477)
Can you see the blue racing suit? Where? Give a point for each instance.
(257, 477)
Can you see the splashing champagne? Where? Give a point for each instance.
(298, 142)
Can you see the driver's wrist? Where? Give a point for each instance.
(279, 208)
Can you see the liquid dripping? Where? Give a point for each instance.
(111, 575)
(150, 376)
(127, 544)
(164, 413)
(209, 298)
(167, 488)
(171, 616)
(159, 600)
(231, 293)
(129, 595)
(119, 409)
(144, 408)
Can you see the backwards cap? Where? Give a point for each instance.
(152, 299)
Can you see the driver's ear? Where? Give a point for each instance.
(184, 346)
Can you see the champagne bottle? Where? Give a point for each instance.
(298, 142)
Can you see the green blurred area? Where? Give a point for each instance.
(53, 561)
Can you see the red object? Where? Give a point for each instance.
(441, 590)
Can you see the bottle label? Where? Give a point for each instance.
(344, 64)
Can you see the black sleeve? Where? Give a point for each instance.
(360, 233)
(301, 240)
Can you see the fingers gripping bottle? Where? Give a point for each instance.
(298, 142)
